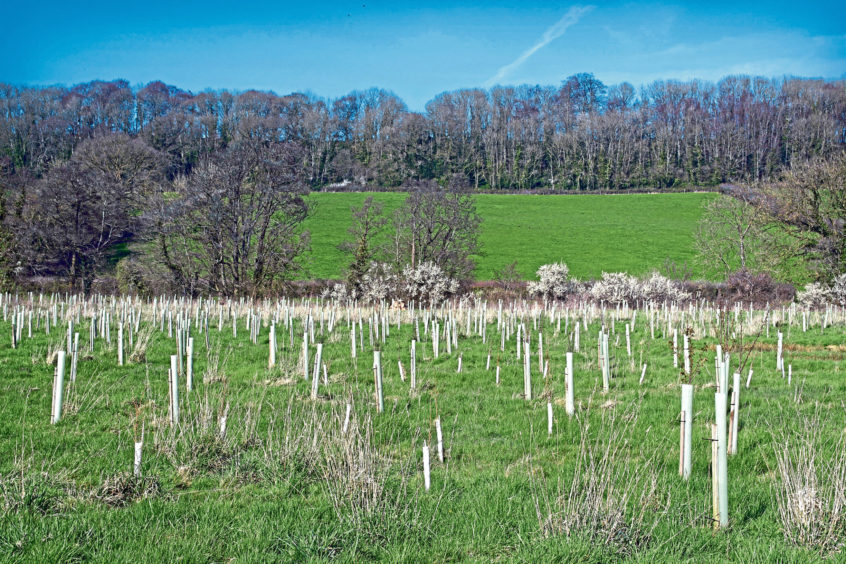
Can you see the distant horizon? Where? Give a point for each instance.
(312, 95)
(415, 51)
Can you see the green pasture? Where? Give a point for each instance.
(635, 233)
(285, 484)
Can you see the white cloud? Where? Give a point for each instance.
(555, 31)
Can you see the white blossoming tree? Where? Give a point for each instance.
(838, 290)
(378, 283)
(660, 289)
(428, 283)
(815, 295)
(553, 282)
(616, 288)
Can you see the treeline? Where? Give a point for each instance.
(232, 226)
(581, 135)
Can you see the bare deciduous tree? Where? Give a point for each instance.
(438, 225)
(235, 226)
(368, 223)
(581, 135)
(809, 202)
(86, 206)
(734, 234)
(508, 278)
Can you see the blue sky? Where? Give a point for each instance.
(416, 50)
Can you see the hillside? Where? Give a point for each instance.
(591, 233)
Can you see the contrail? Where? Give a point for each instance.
(555, 31)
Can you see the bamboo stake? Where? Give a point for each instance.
(735, 414)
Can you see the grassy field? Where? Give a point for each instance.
(286, 483)
(591, 233)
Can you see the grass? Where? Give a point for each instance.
(591, 233)
(285, 483)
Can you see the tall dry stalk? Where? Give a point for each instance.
(142, 341)
(614, 499)
(360, 480)
(810, 487)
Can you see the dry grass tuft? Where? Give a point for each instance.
(810, 486)
(367, 488)
(214, 372)
(55, 345)
(142, 341)
(611, 501)
(122, 489)
(44, 493)
(196, 444)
